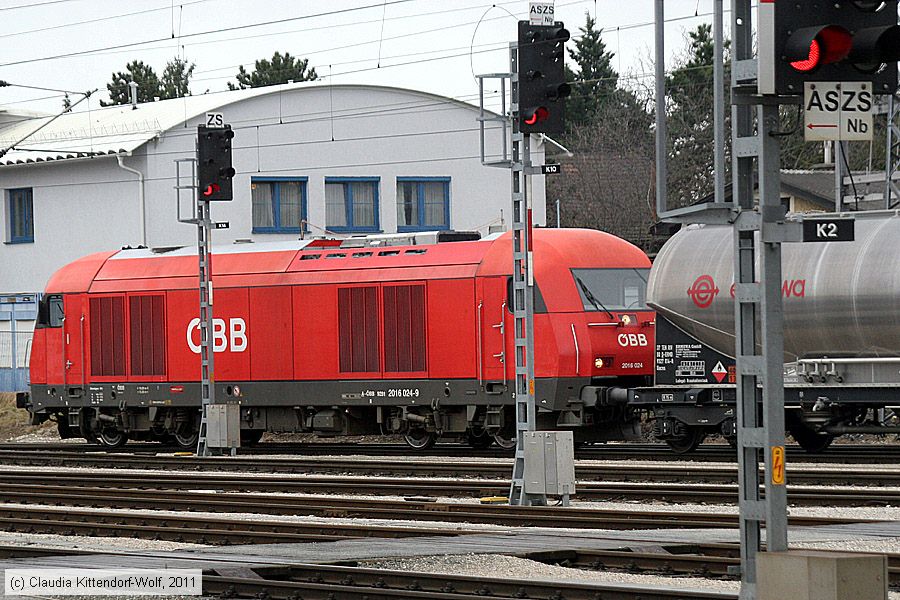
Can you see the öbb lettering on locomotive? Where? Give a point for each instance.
(388, 334)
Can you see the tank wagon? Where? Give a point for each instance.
(385, 334)
(841, 335)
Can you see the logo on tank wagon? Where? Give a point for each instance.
(704, 291)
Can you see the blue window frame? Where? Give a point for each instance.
(352, 204)
(423, 203)
(20, 208)
(279, 204)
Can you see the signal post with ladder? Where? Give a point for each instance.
(538, 91)
(854, 43)
(209, 180)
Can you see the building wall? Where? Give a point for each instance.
(89, 205)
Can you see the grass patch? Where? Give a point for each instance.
(13, 421)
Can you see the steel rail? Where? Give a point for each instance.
(184, 527)
(616, 491)
(352, 583)
(874, 453)
(331, 507)
(699, 560)
(700, 473)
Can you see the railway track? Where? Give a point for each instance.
(501, 469)
(415, 510)
(873, 453)
(717, 560)
(617, 491)
(354, 583)
(316, 581)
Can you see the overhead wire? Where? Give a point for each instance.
(203, 33)
(97, 19)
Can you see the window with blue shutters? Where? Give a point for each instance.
(351, 204)
(423, 203)
(279, 204)
(20, 210)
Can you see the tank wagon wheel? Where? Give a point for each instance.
(110, 437)
(688, 442)
(811, 441)
(420, 439)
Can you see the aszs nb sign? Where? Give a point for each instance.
(829, 230)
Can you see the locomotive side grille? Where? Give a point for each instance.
(108, 336)
(358, 329)
(147, 329)
(404, 328)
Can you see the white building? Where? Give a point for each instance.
(334, 160)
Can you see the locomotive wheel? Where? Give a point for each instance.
(811, 441)
(251, 437)
(186, 438)
(112, 438)
(479, 439)
(688, 442)
(420, 439)
(505, 441)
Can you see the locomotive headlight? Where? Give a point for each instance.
(603, 362)
(626, 320)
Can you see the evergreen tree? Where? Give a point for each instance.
(281, 69)
(596, 81)
(690, 106)
(139, 72)
(176, 79)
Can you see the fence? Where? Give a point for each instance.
(15, 352)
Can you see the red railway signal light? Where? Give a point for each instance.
(214, 170)
(534, 115)
(810, 48)
(542, 78)
(854, 41)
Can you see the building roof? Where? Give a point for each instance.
(122, 129)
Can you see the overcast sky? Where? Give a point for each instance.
(82, 42)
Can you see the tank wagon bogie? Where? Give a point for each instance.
(366, 336)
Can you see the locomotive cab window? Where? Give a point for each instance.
(50, 311)
(612, 289)
(540, 307)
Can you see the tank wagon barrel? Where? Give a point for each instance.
(404, 334)
(841, 334)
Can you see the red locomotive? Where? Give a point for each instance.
(366, 335)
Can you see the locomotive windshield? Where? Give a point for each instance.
(612, 289)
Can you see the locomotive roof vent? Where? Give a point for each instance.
(165, 249)
(410, 239)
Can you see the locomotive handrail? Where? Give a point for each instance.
(617, 324)
(849, 361)
(479, 344)
(577, 352)
(83, 374)
(502, 327)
